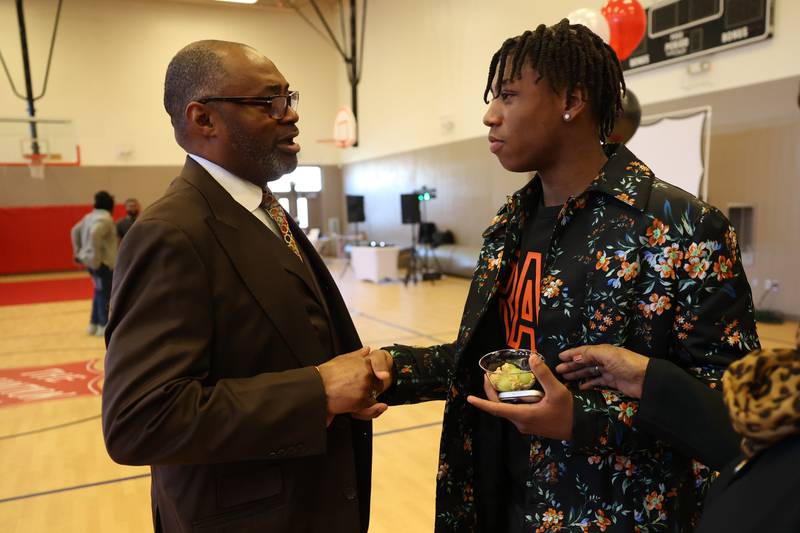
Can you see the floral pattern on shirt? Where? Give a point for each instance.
(633, 262)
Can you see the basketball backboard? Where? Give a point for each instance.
(38, 143)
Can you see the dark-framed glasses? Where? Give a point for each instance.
(275, 105)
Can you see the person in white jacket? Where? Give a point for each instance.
(94, 245)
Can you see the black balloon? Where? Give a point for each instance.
(628, 120)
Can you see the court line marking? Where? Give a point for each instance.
(377, 340)
(39, 335)
(32, 314)
(414, 332)
(48, 428)
(409, 428)
(74, 487)
(141, 476)
(50, 350)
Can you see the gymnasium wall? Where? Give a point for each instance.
(111, 56)
(426, 64)
(107, 75)
(755, 166)
(424, 71)
(37, 214)
(760, 167)
(471, 186)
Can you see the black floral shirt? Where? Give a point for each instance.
(633, 262)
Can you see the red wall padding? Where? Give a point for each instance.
(36, 239)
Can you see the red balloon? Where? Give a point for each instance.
(627, 21)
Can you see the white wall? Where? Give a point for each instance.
(427, 60)
(111, 57)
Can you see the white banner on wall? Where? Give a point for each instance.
(675, 146)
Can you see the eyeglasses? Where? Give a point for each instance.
(275, 105)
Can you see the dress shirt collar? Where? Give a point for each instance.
(247, 194)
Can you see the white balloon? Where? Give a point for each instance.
(592, 19)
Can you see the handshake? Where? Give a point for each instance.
(354, 380)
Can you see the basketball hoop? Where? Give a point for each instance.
(54, 145)
(345, 129)
(36, 165)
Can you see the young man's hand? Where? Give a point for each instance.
(550, 418)
(383, 367)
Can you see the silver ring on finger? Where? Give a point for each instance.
(596, 370)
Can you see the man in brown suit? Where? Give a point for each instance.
(220, 371)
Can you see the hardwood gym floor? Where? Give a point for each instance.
(57, 476)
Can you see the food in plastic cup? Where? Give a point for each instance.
(510, 374)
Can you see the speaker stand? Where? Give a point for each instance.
(414, 267)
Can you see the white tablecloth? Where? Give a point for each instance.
(374, 263)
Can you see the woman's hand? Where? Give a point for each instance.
(605, 365)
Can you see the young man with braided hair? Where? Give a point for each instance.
(594, 253)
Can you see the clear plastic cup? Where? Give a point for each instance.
(510, 374)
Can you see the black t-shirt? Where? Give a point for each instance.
(519, 297)
(518, 312)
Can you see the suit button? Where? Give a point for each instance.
(350, 493)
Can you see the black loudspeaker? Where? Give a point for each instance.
(355, 209)
(409, 207)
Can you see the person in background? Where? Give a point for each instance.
(756, 491)
(94, 245)
(132, 208)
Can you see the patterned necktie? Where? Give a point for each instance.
(270, 204)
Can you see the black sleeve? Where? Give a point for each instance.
(687, 413)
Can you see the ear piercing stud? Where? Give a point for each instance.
(566, 117)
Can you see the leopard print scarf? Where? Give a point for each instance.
(762, 391)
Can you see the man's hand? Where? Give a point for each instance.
(350, 383)
(550, 418)
(382, 364)
(605, 365)
(368, 413)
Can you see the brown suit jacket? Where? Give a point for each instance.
(214, 330)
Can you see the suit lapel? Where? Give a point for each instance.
(257, 255)
(330, 297)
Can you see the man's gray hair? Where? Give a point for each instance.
(197, 70)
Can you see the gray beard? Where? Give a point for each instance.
(269, 164)
(274, 167)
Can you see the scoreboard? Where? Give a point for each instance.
(678, 30)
